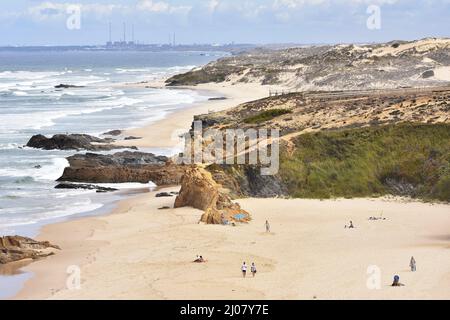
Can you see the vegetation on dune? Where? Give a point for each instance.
(266, 116)
(210, 73)
(406, 159)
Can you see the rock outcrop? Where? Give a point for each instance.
(84, 187)
(247, 181)
(73, 142)
(15, 248)
(122, 167)
(200, 191)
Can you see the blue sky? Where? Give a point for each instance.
(36, 22)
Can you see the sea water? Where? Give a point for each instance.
(30, 104)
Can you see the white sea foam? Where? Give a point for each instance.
(49, 172)
(55, 213)
(9, 146)
(26, 75)
(20, 93)
(43, 119)
(128, 185)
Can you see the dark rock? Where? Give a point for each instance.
(428, 74)
(164, 208)
(113, 133)
(164, 194)
(132, 138)
(122, 167)
(247, 181)
(15, 248)
(84, 186)
(66, 86)
(73, 142)
(217, 99)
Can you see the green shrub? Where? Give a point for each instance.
(266, 116)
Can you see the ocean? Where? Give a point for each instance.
(30, 104)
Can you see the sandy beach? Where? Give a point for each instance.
(141, 252)
(164, 133)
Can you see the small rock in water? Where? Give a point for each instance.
(66, 86)
(428, 74)
(84, 186)
(113, 133)
(132, 138)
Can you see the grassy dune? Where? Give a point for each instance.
(406, 159)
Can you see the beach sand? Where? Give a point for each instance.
(165, 133)
(140, 252)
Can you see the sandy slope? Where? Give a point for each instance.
(141, 252)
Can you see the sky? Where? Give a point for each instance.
(86, 22)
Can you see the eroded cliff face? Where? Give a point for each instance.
(123, 167)
(15, 248)
(200, 191)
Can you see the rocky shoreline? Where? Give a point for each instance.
(16, 248)
(74, 142)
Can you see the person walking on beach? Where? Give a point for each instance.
(253, 269)
(267, 227)
(244, 269)
(412, 264)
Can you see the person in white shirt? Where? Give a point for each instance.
(244, 269)
(253, 269)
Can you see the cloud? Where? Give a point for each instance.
(213, 5)
(293, 4)
(161, 7)
(55, 10)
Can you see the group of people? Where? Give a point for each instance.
(252, 269)
(350, 226)
(412, 265)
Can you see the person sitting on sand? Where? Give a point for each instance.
(351, 226)
(244, 269)
(253, 269)
(396, 282)
(267, 226)
(199, 259)
(412, 264)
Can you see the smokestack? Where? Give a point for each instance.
(132, 33)
(124, 32)
(110, 37)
